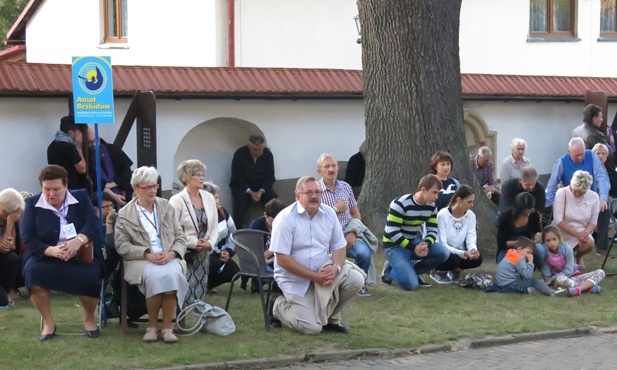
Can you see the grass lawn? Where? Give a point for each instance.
(391, 318)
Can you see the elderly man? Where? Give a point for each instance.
(578, 158)
(66, 151)
(526, 181)
(484, 169)
(512, 165)
(316, 286)
(252, 177)
(339, 195)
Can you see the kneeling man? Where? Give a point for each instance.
(316, 286)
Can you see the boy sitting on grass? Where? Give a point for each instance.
(515, 272)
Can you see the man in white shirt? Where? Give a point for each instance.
(304, 235)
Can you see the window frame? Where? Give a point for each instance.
(120, 12)
(612, 35)
(551, 35)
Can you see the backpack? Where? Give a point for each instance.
(479, 281)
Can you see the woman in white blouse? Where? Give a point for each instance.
(457, 231)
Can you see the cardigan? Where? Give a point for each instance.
(188, 220)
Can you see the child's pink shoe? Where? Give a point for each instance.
(596, 289)
(575, 292)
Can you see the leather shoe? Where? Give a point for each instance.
(337, 328)
(273, 322)
(93, 333)
(44, 337)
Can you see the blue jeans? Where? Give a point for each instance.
(404, 265)
(361, 253)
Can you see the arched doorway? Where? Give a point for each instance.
(478, 134)
(214, 142)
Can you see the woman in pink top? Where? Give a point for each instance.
(575, 212)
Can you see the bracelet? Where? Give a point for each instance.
(81, 240)
(338, 267)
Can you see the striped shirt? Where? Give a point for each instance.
(405, 220)
(343, 191)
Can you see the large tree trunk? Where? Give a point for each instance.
(413, 102)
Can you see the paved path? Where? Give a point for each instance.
(585, 352)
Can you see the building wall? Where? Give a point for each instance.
(190, 33)
(493, 39)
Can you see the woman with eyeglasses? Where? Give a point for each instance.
(151, 242)
(575, 212)
(222, 266)
(519, 220)
(196, 211)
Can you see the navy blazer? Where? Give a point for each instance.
(40, 228)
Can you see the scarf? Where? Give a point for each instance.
(62, 136)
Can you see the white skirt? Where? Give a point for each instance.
(159, 279)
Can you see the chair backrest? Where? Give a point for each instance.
(250, 249)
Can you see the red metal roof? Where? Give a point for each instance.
(32, 79)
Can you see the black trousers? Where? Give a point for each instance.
(601, 234)
(9, 266)
(453, 262)
(218, 276)
(242, 201)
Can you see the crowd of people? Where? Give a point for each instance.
(179, 251)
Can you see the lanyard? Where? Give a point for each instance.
(64, 211)
(154, 224)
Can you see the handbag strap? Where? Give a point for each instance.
(190, 215)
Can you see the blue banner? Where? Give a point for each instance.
(93, 91)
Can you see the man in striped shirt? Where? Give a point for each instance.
(339, 195)
(409, 254)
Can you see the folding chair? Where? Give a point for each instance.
(613, 209)
(250, 250)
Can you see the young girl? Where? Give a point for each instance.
(559, 269)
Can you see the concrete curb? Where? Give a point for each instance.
(286, 361)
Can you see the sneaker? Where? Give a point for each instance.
(596, 289)
(531, 290)
(454, 276)
(575, 292)
(558, 293)
(384, 277)
(423, 283)
(439, 277)
(364, 292)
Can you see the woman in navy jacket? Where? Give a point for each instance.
(55, 224)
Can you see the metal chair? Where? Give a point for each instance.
(613, 209)
(250, 250)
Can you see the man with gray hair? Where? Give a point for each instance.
(578, 158)
(483, 167)
(526, 181)
(512, 164)
(309, 265)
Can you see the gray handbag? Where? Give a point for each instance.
(207, 318)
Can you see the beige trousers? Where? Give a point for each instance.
(300, 313)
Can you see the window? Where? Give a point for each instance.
(608, 16)
(116, 25)
(553, 18)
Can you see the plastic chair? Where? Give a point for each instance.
(613, 209)
(250, 250)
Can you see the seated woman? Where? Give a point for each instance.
(222, 266)
(55, 224)
(519, 220)
(11, 209)
(151, 242)
(196, 210)
(575, 212)
(457, 232)
(441, 165)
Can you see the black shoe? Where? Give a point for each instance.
(273, 322)
(44, 337)
(423, 283)
(336, 328)
(385, 278)
(93, 333)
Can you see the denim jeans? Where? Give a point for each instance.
(361, 253)
(404, 265)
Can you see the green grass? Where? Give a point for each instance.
(391, 318)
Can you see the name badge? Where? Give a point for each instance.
(69, 231)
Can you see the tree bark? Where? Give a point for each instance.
(413, 103)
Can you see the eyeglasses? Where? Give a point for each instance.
(199, 174)
(310, 193)
(149, 187)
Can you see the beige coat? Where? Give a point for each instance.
(186, 214)
(132, 240)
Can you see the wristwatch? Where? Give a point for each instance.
(81, 240)
(338, 267)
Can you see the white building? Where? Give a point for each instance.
(496, 37)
